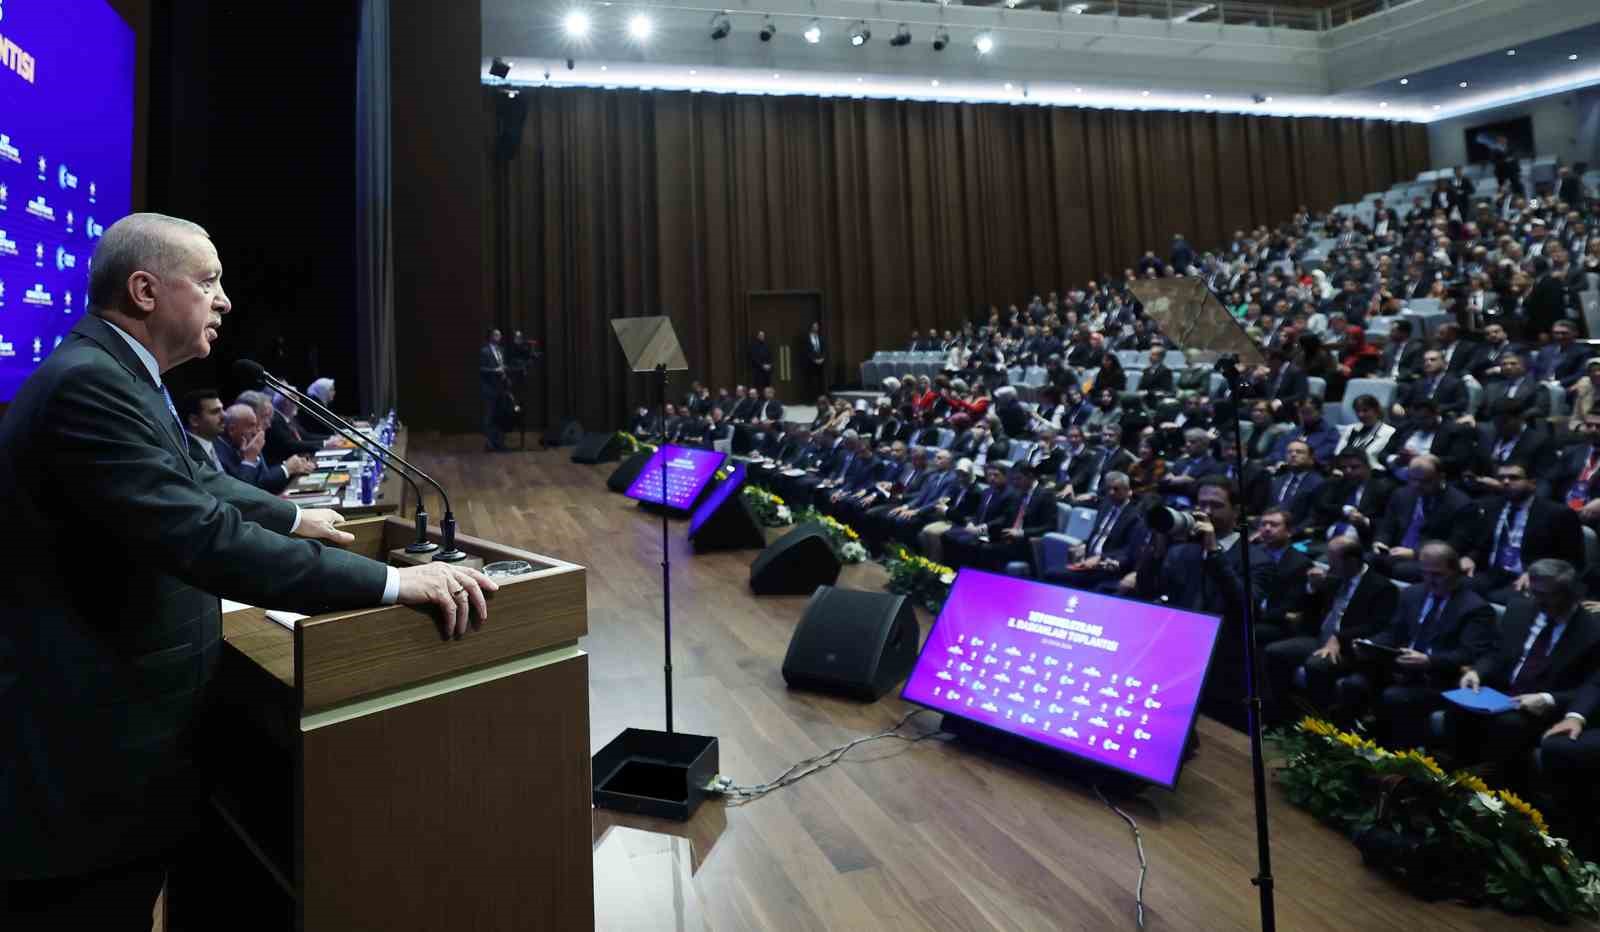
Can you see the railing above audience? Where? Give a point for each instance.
(1220, 12)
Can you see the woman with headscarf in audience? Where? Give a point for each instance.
(1358, 359)
(1315, 360)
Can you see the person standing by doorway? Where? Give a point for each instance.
(815, 350)
(760, 361)
(491, 381)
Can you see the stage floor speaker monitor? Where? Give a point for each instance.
(732, 526)
(623, 475)
(565, 434)
(597, 448)
(852, 643)
(796, 564)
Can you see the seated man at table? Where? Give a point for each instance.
(1545, 649)
(239, 452)
(901, 517)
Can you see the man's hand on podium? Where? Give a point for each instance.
(319, 524)
(457, 591)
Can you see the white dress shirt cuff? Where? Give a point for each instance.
(391, 587)
(295, 526)
(1549, 700)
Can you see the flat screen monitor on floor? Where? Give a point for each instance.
(688, 471)
(718, 495)
(66, 166)
(1114, 682)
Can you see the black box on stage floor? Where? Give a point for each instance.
(622, 477)
(852, 643)
(796, 563)
(564, 434)
(655, 773)
(597, 448)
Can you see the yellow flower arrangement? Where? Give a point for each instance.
(1318, 727)
(1431, 765)
(1471, 782)
(1515, 802)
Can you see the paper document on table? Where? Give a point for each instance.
(287, 619)
(1484, 701)
(229, 605)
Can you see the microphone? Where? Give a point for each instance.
(252, 373)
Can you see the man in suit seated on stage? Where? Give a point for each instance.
(712, 428)
(239, 452)
(202, 415)
(1112, 547)
(1348, 600)
(645, 423)
(1280, 606)
(855, 480)
(996, 510)
(1438, 627)
(1510, 533)
(1351, 502)
(1546, 648)
(1034, 516)
(1425, 508)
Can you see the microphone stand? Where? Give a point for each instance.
(1238, 389)
(447, 528)
(666, 550)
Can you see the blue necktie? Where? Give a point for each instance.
(174, 409)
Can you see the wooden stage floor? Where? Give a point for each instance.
(899, 836)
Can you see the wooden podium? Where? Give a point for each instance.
(381, 778)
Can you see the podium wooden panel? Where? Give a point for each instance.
(384, 778)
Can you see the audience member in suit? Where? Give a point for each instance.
(815, 351)
(1438, 627)
(1370, 434)
(1457, 353)
(1444, 389)
(1206, 574)
(1514, 384)
(1348, 600)
(1504, 538)
(1280, 603)
(239, 451)
(856, 481)
(284, 438)
(1562, 359)
(1045, 456)
(713, 428)
(997, 508)
(1033, 516)
(1547, 302)
(1402, 356)
(954, 508)
(1188, 469)
(1310, 428)
(1157, 379)
(1295, 486)
(901, 517)
(491, 380)
(107, 676)
(1512, 438)
(1569, 760)
(1454, 445)
(323, 391)
(1281, 382)
(1352, 502)
(1575, 478)
(1546, 648)
(1075, 465)
(1265, 430)
(1425, 508)
(760, 361)
(1110, 456)
(1112, 547)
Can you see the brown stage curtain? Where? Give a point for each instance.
(904, 214)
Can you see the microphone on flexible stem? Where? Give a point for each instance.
(252, 373)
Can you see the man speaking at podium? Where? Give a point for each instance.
(118, 538)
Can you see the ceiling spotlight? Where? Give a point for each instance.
(1144, 93)
(1435, 106)
(1462, 84)
(1008, 85)
(776, 75)
(721, 26)
(1572, 57)
(940, 40)
(1208, 97)
(902, 37)
(500, 68)
(859, 34)
(1404, 81)
(1511, 51)
(640, 27)
(576, 23)
(1267, 100)
(692, 71)
(984, 43)
(934, 82)
(1077, 9)
(813, 33)
(1383, 103)
(768, 30)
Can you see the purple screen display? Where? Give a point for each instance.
(718, 495)
(66, 143)
(1111, 681)
(688, 471)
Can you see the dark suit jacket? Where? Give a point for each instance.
(996, 508)
(1463, 632)
(271, 479)
(282, 443)
(1299, 504)
(1438, 522)
(1327, 508)
(1551, 531)
(1568, 365)
(1410, 360)
(1532, 448)
(1531, 396)
(1454, 444)
(1157, 380)
(1370, 610)
(1572, 660)
(1546, 304)
(489, 377)
(1288, 590)
(1292, 388)
(1040, 516)
(1126, 537)
(102, 685)
(1450, 394)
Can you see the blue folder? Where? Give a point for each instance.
(1485, 701)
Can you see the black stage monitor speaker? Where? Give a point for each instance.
(796, 564)
(597, 448)
(565, 434)
(628, 471)
(732, 526)
(853, 643)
